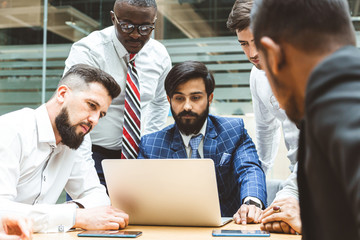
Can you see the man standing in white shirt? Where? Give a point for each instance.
(269, 118)
(110, 50)
(41, 153)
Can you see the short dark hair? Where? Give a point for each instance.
(139, 3)
(239, 17)
(183, 72)
(312, 26)
(90, 74)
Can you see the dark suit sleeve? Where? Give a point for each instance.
(333, 120)
(247, 168)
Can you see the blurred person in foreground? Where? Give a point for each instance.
(308, 50)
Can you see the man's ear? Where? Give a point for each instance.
(61, 93)
(112, 17)
(168, 98)
(211, 96)
(273, 54)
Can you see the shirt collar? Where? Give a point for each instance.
(44, 127)
(186, 139)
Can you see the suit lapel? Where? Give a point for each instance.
(210, 142)
(177, 145)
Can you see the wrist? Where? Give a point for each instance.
(252, 202)
(78, 218)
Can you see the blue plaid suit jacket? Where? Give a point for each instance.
(238, 169)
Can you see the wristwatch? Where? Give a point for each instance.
(251, 202)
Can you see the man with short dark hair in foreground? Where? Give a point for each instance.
(196, 134)
(40, 155)
(307, 49)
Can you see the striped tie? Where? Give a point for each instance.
(131, 129)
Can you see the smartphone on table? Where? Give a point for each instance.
(240, 233)
(110, 233)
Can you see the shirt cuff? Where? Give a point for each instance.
(61, 218)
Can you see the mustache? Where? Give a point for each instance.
(187, 113)
(134, 40)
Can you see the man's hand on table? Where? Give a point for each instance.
(101, 218)
(247, 214)
(282, 216)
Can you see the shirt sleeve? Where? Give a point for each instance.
(83, 185)
(45, 217)
(290, 187)
(267, 127)
(159, 107)
(80, 53)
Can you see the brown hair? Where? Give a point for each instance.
(239, 17)
(183, 72)
(89, 74)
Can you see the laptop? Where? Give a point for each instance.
(169, 192)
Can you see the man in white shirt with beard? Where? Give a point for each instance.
(41, 153)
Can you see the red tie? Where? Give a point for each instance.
(131, 128)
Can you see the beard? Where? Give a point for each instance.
(186, 126)
(67, 132)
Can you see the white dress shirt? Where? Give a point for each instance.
(34, 171)
(289, 186)
(102, 49)
(269, 117)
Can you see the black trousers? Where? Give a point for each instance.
(99, 154)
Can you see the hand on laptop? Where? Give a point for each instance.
(15, 228)
(285, 219)
(247, 214)
(101, 218)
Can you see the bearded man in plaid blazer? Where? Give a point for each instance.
(197, 134)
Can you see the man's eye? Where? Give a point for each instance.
(127, 26)
(179, 98)
(145, 27)
(91, 105)
(195, 98)
(243, 44)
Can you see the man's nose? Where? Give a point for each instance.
(253, 51)
(135, 34)
(187, 106)
(94, 118)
